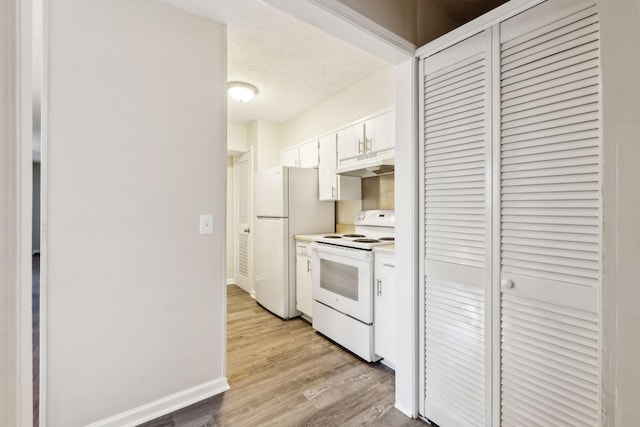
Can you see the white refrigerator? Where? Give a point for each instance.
(285, 204)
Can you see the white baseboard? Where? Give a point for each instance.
(165, 405)
(231, 281)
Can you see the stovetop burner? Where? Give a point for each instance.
(333, 236)
(387, 239)
(367, 240)
(354, 235)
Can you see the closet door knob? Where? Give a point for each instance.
(506, 284)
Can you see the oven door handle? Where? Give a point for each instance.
(341, 250)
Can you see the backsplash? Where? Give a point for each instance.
(378, 192)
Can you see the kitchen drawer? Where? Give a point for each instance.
(385, 265)
(303, 248)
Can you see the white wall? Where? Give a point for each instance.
(266, 138)
(236, 139)
(8, 221)
(620, 61)
(15, 214)
(137, 151)
(370, 95)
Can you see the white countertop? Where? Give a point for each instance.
(386, 249)
(311, 237)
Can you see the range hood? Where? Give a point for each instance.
(366, 168)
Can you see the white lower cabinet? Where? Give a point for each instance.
(303, 277)
(385, 308)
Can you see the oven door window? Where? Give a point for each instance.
(341, 279)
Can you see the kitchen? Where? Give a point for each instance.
(370, 193)
(310, 139)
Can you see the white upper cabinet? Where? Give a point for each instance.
(303, 155)
(381, 133)
(332, 186)
(350, 141)
(327, 170)
(367, 137)
(289, 156)
(308, 155)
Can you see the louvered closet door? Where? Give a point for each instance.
(550, 216)
(456, 137)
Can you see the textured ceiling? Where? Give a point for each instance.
(294, 65)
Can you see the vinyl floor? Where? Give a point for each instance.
(282, 373)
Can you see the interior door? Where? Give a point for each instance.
(457, 233)
(550, 218)
(243, 166)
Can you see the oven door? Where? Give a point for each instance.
(343, 280)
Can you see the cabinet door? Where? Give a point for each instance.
(289, 156)
(457, 138)
(303, 281)
(385, 309)
(327, 178)
(549, 216)
(381, 133)
(351, 141)
(308, 154)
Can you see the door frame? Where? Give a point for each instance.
(16, 193)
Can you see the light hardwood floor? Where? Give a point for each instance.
(282, 373)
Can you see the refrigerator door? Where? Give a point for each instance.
(271, 191)
(271, 266)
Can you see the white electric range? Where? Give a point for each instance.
(343, 281)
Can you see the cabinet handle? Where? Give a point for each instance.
(379, 287)
(389, 265)
(308, 266)
(367, 145)
(360, 146)
(247, 230)
(333, 192)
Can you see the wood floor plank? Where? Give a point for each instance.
(282, 373)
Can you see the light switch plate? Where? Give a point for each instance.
(206, 224)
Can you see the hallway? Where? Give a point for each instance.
(282, 373)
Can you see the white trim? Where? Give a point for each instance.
(44, 212)
(231, 281)
(421, 239)
(407, 220)
(23, 211)
(343, 11)
(481, 23)
(340, 21)
(165, 405)
(494, 213)
(489, 332)
(222, 320)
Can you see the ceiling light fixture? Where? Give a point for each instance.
(241, 92)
